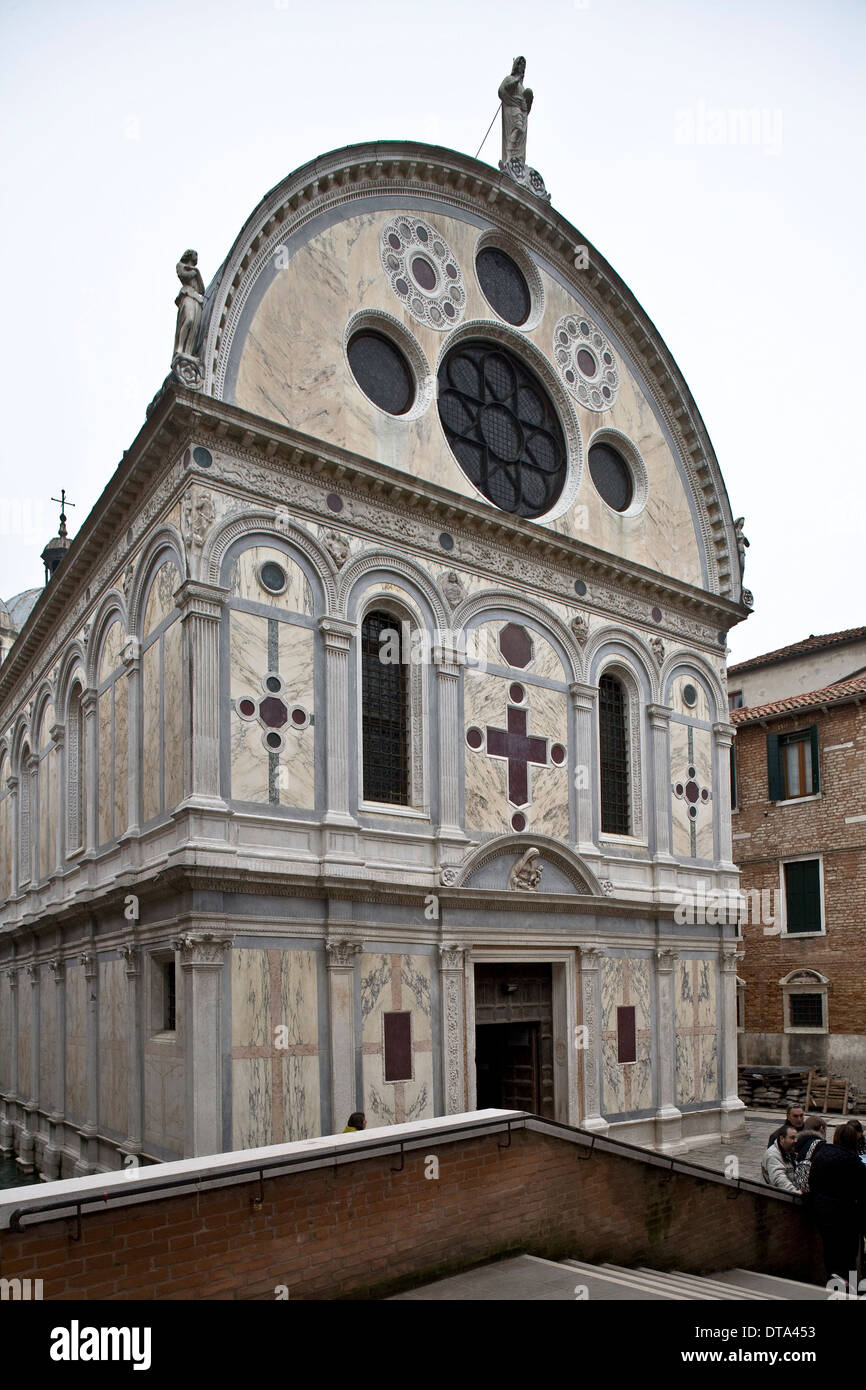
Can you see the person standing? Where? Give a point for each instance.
(837, 1185)
(794, 1115)
(777, 1165)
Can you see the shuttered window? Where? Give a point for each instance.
(803, 896)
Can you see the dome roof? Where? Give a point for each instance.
(21, 606)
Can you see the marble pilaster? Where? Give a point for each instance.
(86, 1163)
(27, 1148)
(448, 665)
(731, 1106)
(8, 1127)
(659, 718)
(52, 1155)
(451, 974)
(202, 956)
(583, 702)
(337, 636)
(668, 1118)
(132, 955)
(723, 736)
(15, 879)
(201, 606)
(590, 990)
(340, 956)
(58, 735)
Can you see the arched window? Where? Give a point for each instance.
(6, 829)
(613, 740)
(24, 792)
(76, 779)
(385, 709)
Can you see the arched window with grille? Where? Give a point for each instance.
(385, 709)
(76, 779)
(25, 800)
(614, 756)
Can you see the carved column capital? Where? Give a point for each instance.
(451, 956)
(32, 971)
(131, 654)
(196, 599)
(666, 959)
(590, 957)
(57, 734)
(729, 956)
(88, 702)
(12, 783)
(202, 949)
(12, 976)
(58, 969)
(341, 954)
(90, 963)
(448, 662)
(724, 734)
(33, 763)
(583, 696)
(132, 955)
(659, 715)
(337, 633)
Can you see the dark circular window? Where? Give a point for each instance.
(502, 427)
(690, 696)
(504, 285)
(273, 576)
(612, 476)
(424, 273)
(381, 371)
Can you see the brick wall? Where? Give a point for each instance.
(813, 827)
(362, 1228)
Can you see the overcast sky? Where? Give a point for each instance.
(134, 130)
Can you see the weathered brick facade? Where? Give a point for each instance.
(830, 826)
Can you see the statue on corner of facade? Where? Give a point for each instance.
(185, 365)
(742, 542)
(516, 105)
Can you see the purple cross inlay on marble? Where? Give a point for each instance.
(519, 749)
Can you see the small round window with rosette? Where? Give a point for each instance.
(586, 362)
(423, 272)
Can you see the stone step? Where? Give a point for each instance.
(630, 1279)
(716, 1284)
(775, 1284)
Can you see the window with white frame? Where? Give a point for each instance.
(804, 996)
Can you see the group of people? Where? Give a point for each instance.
(832, 1176)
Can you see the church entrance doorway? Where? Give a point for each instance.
(514, 1037)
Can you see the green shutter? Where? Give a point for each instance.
(813, 736)
(803, 895)
(774, 769)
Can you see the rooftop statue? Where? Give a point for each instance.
(516, 106)
(185, 364)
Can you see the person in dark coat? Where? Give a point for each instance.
(837, 1187)
(794, 1115)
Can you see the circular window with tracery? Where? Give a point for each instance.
(502, 427)
(586, 362)
(423, 271)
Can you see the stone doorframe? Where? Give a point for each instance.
(564, 980)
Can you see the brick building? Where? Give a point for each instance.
(799, 798)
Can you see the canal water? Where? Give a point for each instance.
(11, 1175)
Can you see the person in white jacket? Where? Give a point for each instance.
(777, 1165)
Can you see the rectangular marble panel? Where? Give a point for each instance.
(487, 804)
(150, 744)
(248, 665)
(696, 1013)
(47, 1038)
(76, 1044)
(113, 1068)
(173, 715)
(121, 755)
(626, 1086)
(296, 649)
(53, 811)
(702, 746)
(104, 792)
(682, 843)
(396, 983)
(275, 1064)
(164, 1096)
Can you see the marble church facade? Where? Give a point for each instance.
(213, 935)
